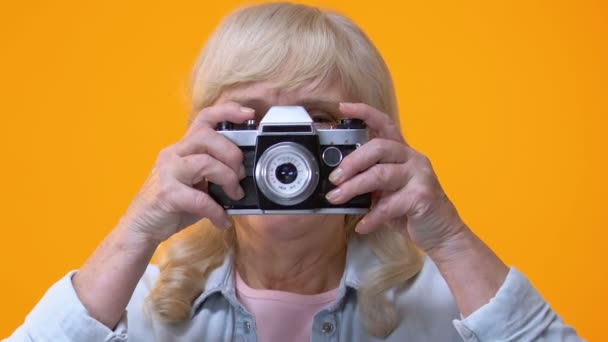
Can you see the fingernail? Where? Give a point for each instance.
(242, 173)
(240, 193)
(247, 110)
(333, 195)
(359, 227)
(336, 176)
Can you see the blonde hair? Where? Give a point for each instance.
(290, 45)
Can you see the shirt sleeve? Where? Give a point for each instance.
(60, 316)
(517, 313)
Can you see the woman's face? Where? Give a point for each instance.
(322, 104)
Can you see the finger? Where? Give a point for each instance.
(380, 177)
(375, 151)
(208, 141)
(228, 111)
(195, 168)
(374, 119)
(413, 201)
(196, 202)
(385, 210)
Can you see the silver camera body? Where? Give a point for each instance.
(288, 161)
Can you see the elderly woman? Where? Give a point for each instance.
(408, 270)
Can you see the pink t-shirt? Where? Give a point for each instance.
(282, 316)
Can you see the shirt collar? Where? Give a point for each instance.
(359, 259)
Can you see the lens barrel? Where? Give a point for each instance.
(287, 173)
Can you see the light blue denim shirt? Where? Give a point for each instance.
(425, 305)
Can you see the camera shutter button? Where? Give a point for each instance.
(225, 126)
(352, 124)
(251, 124)
(332, 156)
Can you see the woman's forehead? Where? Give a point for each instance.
(268, 93)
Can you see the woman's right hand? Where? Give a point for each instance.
(175, 194)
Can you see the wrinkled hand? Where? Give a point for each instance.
(175, 194)
(405, 189)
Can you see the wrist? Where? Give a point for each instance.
(454, 247)
(471, 269)
(106, 282)
(133, 237)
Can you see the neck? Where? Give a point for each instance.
(304, 261)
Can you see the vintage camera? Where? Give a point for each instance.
(288, 160)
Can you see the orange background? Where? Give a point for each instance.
(508, 98)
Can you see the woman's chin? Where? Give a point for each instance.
(286, 226)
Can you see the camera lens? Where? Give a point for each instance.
(286, 173)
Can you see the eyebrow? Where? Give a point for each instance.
(256, 102)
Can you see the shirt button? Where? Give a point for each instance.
(327, 328)
(247, 327)
(468, 334)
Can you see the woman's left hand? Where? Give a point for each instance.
(406, 190)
